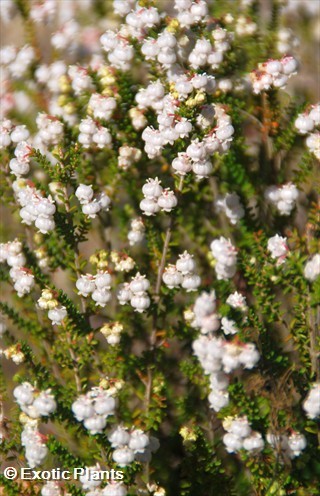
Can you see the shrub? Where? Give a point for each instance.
(161, 256)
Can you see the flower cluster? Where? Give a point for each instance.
(102, 107)
(93, 409)
(156, 198)
(137, 230)
(131, 445)
(10, 134)
(287, 41)
(56, 312)
(93, 133)
(218, 358)
(97, 286)
(198, 153)
(19, 166)
(141, 111)
(135, 292)
(226, 256)
(65, 35)
(92, 205)
(13, 353)
(245, 26)
(204, 316)
(22, 277)
(112, 332)
(50, 129)
(43, 12)
(182, 273)
(230, 204)
(34, 403)
(128, 155)
(16, 62)
(241, 436)
(283, 197)
(291, 445)
(122, 261)
(273, 73)
(34, 443)
(36, 208)
(306, 124)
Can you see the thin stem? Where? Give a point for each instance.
(153, 336)
(76, 253)
(161, 269)
(74, 363)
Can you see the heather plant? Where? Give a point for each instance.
(160, 257)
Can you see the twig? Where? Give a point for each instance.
(74, 363)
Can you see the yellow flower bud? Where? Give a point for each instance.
(52, 304)
(69, 108)
(64, 84)
(191, 102)
(188, 434)
(173, 26)
(200, 97)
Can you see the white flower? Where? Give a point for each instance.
(304, 124)
(228, 326)
(91, 209)
(123, 456)
(82, 408)
(191, 282)
(149, 206)
(124, 294)
(254, 442)
(104, 404)
(45, 403)
(226, 255)
(119, 437)
(181, 164)
(95, 424)
(101, 296)
(56, 315)
(232, 207)
(185, 263)
(172, 277)
(283, 197)
(24, 394)
(297, 443)
(84, 193)
(232, 442)
(85, 285)
(277, 245)
(311, 404)
(312, 268)
(218, 400)
(237, 300)
(249, 356)
(167, 200)
(138, 441)
(140, 302)
(239, 427)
